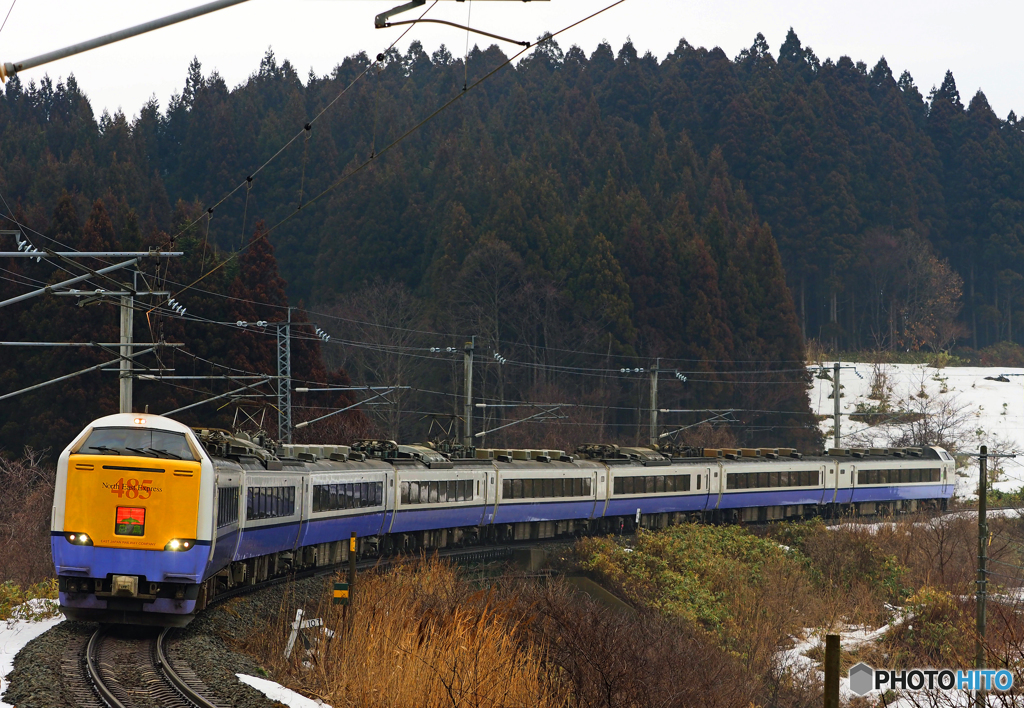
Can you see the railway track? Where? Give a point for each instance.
(126, 670)
(132, 667)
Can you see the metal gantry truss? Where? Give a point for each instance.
(284, 379)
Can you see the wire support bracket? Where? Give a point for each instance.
(382, 21)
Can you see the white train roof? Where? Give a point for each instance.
(140, 420)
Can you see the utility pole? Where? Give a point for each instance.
(836, 394)
(654, 402)
(284, 379)
(979, 660)
(467, 365)
(127, 339)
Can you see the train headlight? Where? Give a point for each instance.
(79, 539)
(179, 544)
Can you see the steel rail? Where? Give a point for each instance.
(187, 692)
(94, 672)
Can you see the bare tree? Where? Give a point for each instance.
(381, 325)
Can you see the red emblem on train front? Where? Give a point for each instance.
(131, 521)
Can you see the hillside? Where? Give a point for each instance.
(710, 211)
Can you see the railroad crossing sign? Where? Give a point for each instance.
(340, 594)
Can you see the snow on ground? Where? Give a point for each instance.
(992, 411)
(277, 692)
(796, 659)
(851, 638)
(15, 634)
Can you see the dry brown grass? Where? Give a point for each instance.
(424, 636)
(27, 497)
(418, 637)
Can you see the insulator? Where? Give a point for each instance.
(242, 323)
(261, 323)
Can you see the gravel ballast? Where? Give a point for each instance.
(206, 646)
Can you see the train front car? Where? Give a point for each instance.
(131, 525)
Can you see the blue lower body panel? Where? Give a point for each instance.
(770, 497)
(519, 512)
(412, 519)
(338, 528)
(899, 492)
(169, 569)
(656, 505)
(156, 566)
(223, 551)
(262, 540)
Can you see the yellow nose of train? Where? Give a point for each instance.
(133, 487)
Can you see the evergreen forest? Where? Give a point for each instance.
(580, 219)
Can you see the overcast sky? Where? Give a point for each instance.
(979, 40)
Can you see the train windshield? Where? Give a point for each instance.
(144, 442)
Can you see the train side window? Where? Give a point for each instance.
(506, 489)
(414, 492)
(698, 481)
(586, 486)
(558, 487)
(528, 489)
(577, 487)
(442, 491)
(517, 489)
(433, 492)
(784, 479)
(316, 498)
(549, 488)
(460, 490)
(405, 492)
(659, 484)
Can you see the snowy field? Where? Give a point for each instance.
(977, 410)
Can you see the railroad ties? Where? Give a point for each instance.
(128, 668)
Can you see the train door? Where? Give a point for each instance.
(828, 495)
(301, 490)
(844, 484)
(715, 477)
(491, 483)
(391, 499)
(602, 483)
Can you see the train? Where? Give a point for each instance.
(153, 519)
